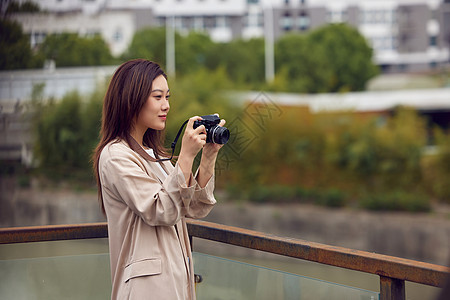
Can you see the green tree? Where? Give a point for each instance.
(301, 64)
(27, 6)
(58, 133)
(15, 51)
(243, 61)
(148, 43)
(347, 55)
(68, 49)
(66, 133)
(191, 52)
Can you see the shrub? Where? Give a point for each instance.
(396, 201)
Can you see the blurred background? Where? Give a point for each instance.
(339, 111)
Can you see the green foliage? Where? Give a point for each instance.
(66, 133)
(326, 159)
(68, 49)
(280, 193)
(347, 55)
(329, 59)
(301, 64)
(339, 158)
(26, 6)
(387, 155)
(396, 201)
(243, 61)
(15, 51)
(437, 167)
(330, 198)
(333, 58)
(191, 52)
(148, 43)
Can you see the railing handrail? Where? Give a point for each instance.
(367, 262)
(13, 235)
(393, 271)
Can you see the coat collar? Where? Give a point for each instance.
(134, 145)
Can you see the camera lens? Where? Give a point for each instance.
(219, 135)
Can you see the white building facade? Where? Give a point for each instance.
(406, 35)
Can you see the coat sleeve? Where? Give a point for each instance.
(155, 203)
(203, 200)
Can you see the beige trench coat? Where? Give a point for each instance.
(148, 241)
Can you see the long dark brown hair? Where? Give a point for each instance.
(127, 93)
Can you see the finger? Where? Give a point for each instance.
(200, 129)
(191, 121)
(222, 122)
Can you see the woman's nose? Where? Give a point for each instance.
(166, 105)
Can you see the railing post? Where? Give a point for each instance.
(392, 289)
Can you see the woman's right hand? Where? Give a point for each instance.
(192, 142)
(193, 139)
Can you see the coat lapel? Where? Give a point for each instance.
(155, 169)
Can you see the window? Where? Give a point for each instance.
(199, 23)
(161, 21)
(222, 21)
(186, 22)
(433, 40)
(403, 67)
(37, 38)
(337, 16)
(286, 22)
(303, 21)
(377, 16)
(117, 36)
(92, 33)
(209, 22)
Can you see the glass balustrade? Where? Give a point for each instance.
(79, 269)
(229, 279)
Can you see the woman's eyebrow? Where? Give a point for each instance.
(158, 90)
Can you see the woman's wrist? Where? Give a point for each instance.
(206, 169)
(185, 162)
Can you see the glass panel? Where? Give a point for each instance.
(61, 277)
(228, 279)
(78, 269)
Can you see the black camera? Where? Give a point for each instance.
(214, 133)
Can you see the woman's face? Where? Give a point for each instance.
(154, 112)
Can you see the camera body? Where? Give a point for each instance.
(214, 133)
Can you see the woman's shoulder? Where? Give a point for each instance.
(116, 149)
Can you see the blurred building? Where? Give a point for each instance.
(406, 35)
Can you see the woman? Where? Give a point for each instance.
(146, 200)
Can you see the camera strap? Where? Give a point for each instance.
(174, 143)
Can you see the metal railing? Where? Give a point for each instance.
(393, 271)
